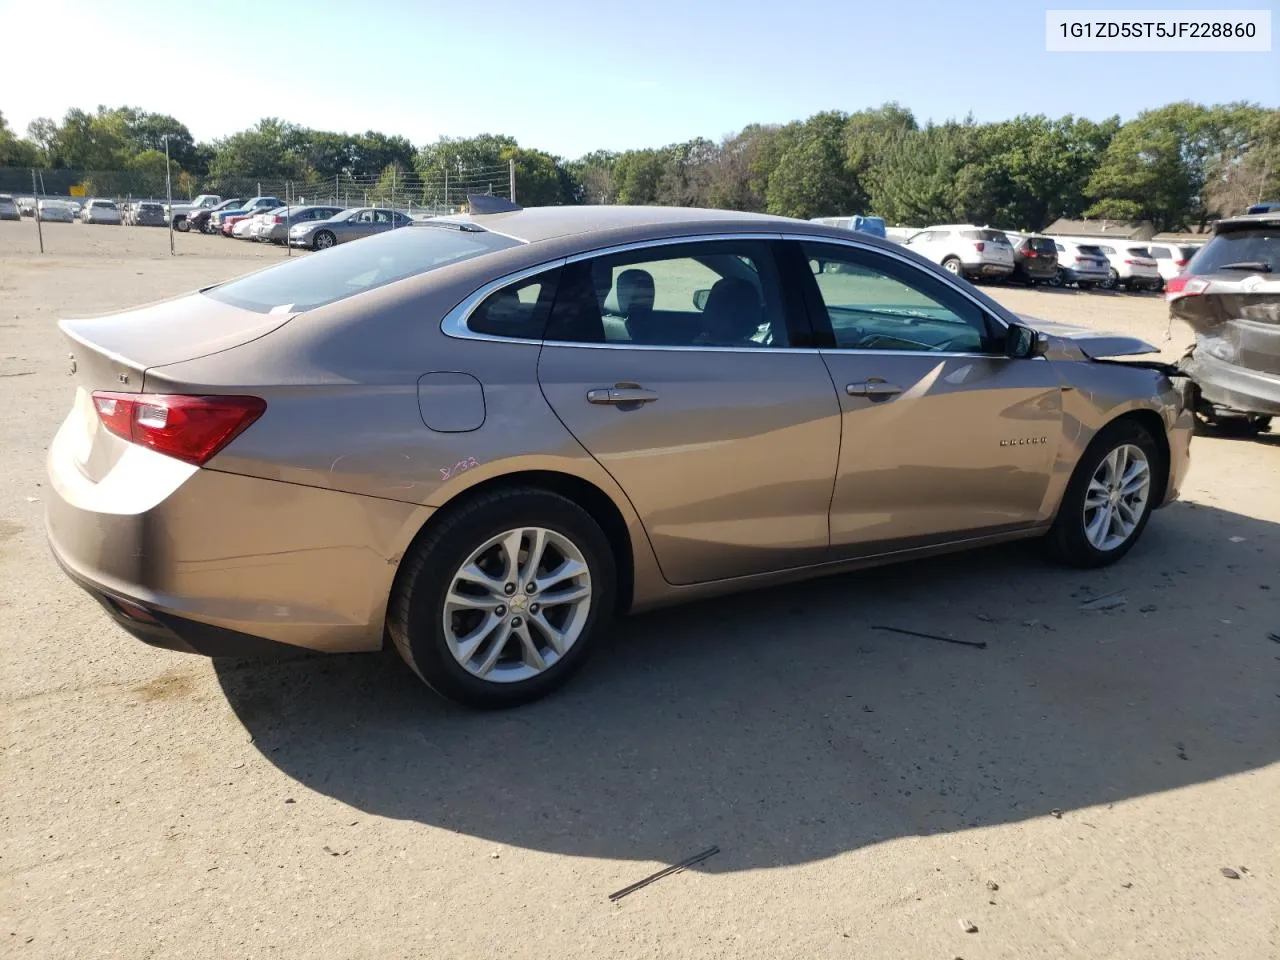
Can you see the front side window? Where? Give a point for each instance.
(364, 216)
(709, 294)
(875, 302)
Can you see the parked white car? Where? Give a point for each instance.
(900, 234)
(54, 211)
(966, 250)
(1131, 265)
(1171, 258)
(100, 211)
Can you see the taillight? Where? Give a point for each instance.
(277, 219)
(186, 427)
(1180, 263)
(979, 246)
(1030, 254)
(1184, 285)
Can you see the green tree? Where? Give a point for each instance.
(271, 149)
(914, 182)
(810, 179)
(637, 174)
(147, 173)
(540, 178)
(591, 177)
(15, 152)
(740, 174)
(867, 135)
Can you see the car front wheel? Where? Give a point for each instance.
(324, 240)
(502, 601)
(952, 266)
(1109, 498)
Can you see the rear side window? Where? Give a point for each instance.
(1251, 249)
(1161, 253)
(353, 268)
(991, 236)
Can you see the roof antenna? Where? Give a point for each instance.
(487, 203)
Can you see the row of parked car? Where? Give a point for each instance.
(269, 220)
(984, 253)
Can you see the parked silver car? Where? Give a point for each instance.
(98, 210)
(481, 436)
(9, 208)
(347, 225)
(55, 211)
(276, 226)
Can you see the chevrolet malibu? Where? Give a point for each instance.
(481, 437)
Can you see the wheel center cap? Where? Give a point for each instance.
(519, 602)
(1114, 497)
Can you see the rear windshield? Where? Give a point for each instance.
(1041, 245)
(1089, 251)
(104, 203)
(1256, 249)
(993, 236)
(356, 267)
(1139, 252)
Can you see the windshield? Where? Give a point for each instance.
(355, 268)
(1249, 245)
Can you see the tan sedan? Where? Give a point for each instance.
(483, 436)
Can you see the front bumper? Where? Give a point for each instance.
(306, 240)
(1236, 389)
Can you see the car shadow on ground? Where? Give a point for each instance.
(782, 726)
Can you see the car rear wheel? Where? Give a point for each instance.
(324, 240)
(503, 600)
(1109, 498)
(1113, 278)
(1059, 279)
(181, 225)
(952, 266)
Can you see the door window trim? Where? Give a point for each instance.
(454, 324)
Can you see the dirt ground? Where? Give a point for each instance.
(1073, 790)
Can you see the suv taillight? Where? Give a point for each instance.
(189, 428)
(979, 246)
(1184, 285)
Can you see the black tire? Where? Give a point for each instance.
(1113, 279)
(323, 240)
(181, 225)
(953, 266)
(415, 611)
(1059, 279)
(1067, 540)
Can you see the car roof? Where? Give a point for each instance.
(545, 223)
(1247, 219)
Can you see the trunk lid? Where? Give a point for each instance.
(113, 353)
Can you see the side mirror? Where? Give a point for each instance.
(700, 298)
(1023, 343)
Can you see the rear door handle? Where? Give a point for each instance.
(619, 396)
(874, 389)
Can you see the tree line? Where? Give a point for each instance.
(1179, 165)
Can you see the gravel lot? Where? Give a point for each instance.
(867, 790)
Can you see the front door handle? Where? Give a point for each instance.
(873, 389)
(621, 395)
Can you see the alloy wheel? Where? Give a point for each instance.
(1117, 496)
(517, 605)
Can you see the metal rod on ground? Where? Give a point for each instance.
(511, 162)
(168, 189)
(35, 200)
(674, 868)
(288, 247)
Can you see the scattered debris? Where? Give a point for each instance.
(1237, 539)
(675, 868)
(1031, 623)
(992, 885)
(331, 852)
(33, 499)
(1056, 813)
(1275, 637)
(1128, 884)
(1230, 874)
(1182, 751)
(1244, 870)
(985, 618)
(867, 709)
(290, 800)
(969, 926)
(1147, 608)
(980, 644)
(1108, 601)
(495, 855)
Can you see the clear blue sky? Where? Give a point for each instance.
(570, 75)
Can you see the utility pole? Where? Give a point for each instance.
(36, 200)
(288, 247)
(394, 170)
(168, 189)
(446, 187)
(512, 168)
